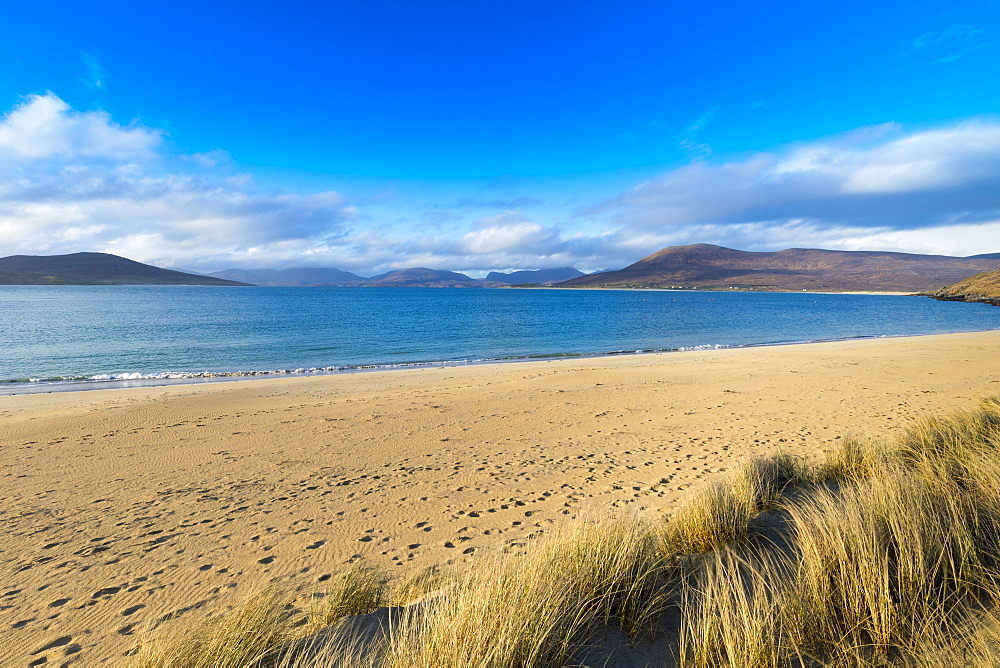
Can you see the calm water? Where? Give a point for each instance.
(50, 333)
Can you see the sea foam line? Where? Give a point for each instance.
(385, 366)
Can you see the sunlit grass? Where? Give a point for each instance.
(251, 634)
(887, 553)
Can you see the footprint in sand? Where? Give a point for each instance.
(58, 642)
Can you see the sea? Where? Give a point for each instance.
(56, 338)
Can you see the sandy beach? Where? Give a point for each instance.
(138, 512)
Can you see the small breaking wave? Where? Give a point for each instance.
(130, 378)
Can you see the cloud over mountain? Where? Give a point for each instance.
(78, 180)
(878, 186)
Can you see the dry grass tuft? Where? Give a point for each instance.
(876, 563)
(250, 635)
(761, 481)
(712, 519)
(731, 610)
(891, 562)
(419, 585)
(887, 554)
(536, 609)
(358, 591)
(720, 514)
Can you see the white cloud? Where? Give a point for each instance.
(505, 232)
(863, 185)
(74, 181)
(931, 160)
(44, 126)
(78, 180)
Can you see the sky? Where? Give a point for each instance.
(371, 136)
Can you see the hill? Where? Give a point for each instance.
(716, 267)
(418, 277)
(93, 269)
(421, 277)
(984, 287)
(540, 276)
(298, 276)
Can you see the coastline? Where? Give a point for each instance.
(142, 510)
(165, 379)
(789, 292)
(78, 354)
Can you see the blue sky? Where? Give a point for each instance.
(490, 136)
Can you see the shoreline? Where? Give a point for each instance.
(137, 512)
(170, 379)
(883, 293)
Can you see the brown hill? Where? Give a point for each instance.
(984, 287)
(93, 269)
(714, 267)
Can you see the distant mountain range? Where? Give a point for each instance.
(290, 277)
(715, 267)
(415, 277)
(93, 269)
(107, 269)
(421, 277)
(539, 276)
(696, 266)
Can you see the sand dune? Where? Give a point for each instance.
(134, 512)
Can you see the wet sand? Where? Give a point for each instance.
(137, 512)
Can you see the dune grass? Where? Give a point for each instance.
(251, 634)
(888, 553)
(722, 511)
(536, 609)
(354, 592)
(892, 560)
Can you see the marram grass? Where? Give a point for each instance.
(888, 553)
(354, 592)
(251, 634)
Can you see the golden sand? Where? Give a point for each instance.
(138, 512)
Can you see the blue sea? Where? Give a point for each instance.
(73, 337)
